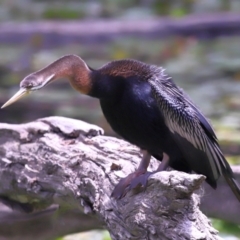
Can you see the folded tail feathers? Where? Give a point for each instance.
(229, 177)
(233, 185)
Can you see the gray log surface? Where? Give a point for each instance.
(57, 175)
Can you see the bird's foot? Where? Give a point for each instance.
(130, 182)
(141, 180)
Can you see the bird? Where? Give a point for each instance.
(145, 107)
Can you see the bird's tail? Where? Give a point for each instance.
(229, 177)
(227, 172)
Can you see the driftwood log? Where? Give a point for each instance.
(56, 33)
(57, 175)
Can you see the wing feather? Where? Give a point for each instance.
(191, 131)
(183, 118)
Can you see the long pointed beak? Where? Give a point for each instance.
(21, 93)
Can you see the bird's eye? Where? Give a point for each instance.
(29, 86)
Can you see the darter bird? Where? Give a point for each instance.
(145, 107)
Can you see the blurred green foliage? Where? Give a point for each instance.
(226, 227)
(63, 13)
(162, 7)
(75, 9)
(106, 236)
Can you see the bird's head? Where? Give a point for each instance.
(29, 84)
(70, 66)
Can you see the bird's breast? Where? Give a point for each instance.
(134, 115)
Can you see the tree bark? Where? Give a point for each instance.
(57, 175)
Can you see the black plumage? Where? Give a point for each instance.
(144, 106)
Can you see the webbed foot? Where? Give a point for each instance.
(139, 177)
(140, 181)
(125, 185)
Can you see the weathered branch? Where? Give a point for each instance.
(58, 170)
(60, 32)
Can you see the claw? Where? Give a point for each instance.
(139, 177)
(130, 182)
(123, 187)
(140, 181)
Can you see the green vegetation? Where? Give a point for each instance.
(63, 13)
(225, 227)
(73, 9)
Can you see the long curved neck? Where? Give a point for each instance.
(71, 67)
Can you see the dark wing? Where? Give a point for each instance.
(203, 121)
(191, 131)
